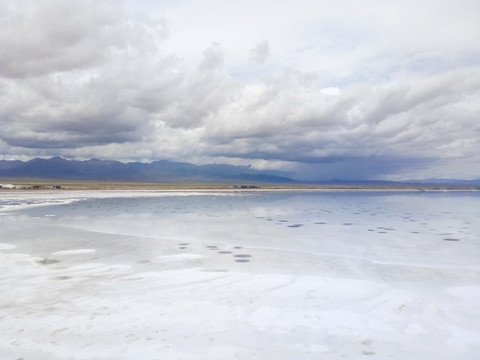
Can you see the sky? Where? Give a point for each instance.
(319, 89)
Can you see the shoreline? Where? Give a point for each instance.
(59, 185)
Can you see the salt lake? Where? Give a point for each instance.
(240, 275)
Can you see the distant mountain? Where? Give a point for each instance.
(418, 183)
(158, 171)
(452, 182)
(366, 183)
(5, 164)
(181, 172)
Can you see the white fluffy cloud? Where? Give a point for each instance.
(326, 89)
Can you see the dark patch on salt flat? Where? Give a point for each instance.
(414, 232)
(451, 239)
(295, 225)
(212, 247)
(183, 244)
(381, 232)
(224, 252)
(62, 277)
(182, 247)
(371, 230)
(242, 260)
(283, 221)
(238, 247)
(320, 223)
(347, 224)
(242, 256)
(385, 228)
(48, 261)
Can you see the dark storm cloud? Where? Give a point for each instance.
(410, 119)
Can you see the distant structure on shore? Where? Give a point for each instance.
(7, 186)
(29, 187)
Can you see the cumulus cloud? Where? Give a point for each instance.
(260, 53)
(414, 120)
(212, 58)
(98, 79)
(56, 36)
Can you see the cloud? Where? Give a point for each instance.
(405, 120)
(260, 53)
(54, 36)
(330, 91)
(212, 58)
(98, 79)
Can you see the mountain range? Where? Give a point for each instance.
(165, 171)
(158, 171)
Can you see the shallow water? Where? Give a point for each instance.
(254, 275)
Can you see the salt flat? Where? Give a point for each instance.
(224, 275)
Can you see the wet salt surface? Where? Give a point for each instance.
(213, 276)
